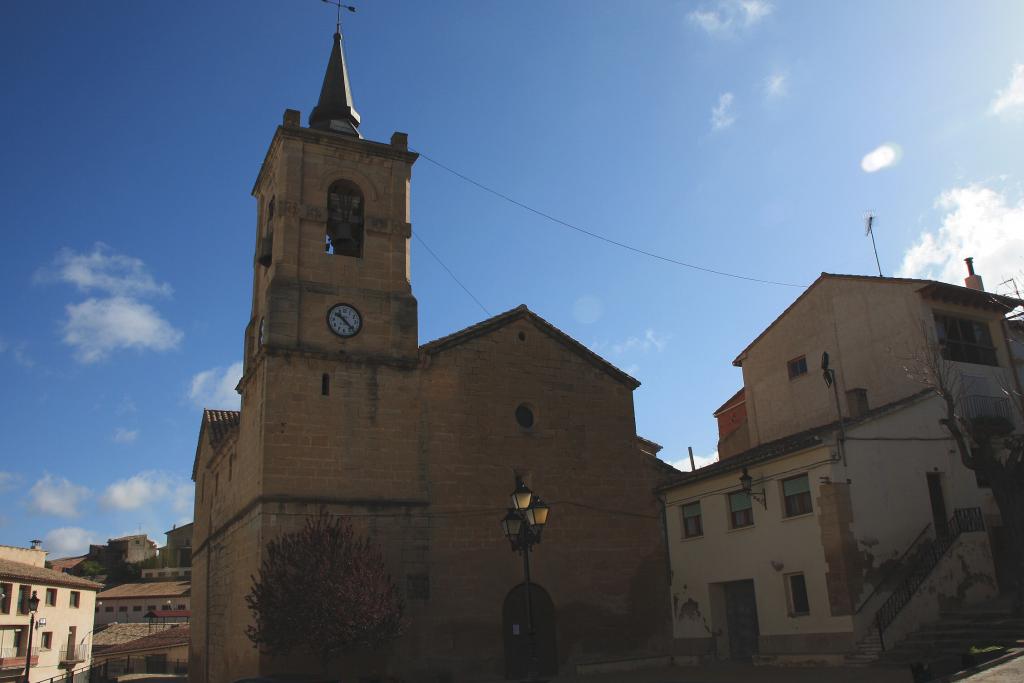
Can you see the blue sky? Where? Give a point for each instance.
(746, 136)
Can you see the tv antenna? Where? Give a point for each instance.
(869, 229)
(340, 6)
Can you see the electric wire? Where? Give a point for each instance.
(602, 238)
(449, 271)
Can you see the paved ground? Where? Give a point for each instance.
(742, 673)
(1007, 672)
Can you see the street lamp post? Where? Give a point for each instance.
(523, 525)
(33, 605)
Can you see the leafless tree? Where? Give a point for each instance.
(986, 444)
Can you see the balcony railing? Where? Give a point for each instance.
(78, 653)
(11, 657)
(986, 406)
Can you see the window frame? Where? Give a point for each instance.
(7, 589)
(749, 509)
(983, 350)
(51, 597)
(75, 599)
(787, 513)
(799, 364)
(351, 189)
(46, 641)
(699, 517)
(791, 595)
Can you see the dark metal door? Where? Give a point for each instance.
(939, 516)
(741, 619)
(516, 632)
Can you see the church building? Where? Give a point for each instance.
(420, 445)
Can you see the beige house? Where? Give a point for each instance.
(174, 560)
(63, 619)
(796, 545)
(132, 602)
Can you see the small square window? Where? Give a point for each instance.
(181, 606)
(150, 608)
(797, 367)
(692, 526)
(122, 608)
(136, 608)
(108, 608)
(741, 513)
(75, 599)
(797, 588)
(46, 642)
(797, 494)
(51, 597)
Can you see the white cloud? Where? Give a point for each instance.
(776, 85)
(721, 114)
(56, 496)
(683, 464)
(651, 341)
(105, 270)
(978, 222)
(68, 541)
(215, 388)
(881, 157)
(1010, 100)
(183, 499)
(146, 489)
(727, 16)
(96, 327)
(588, 309)
(122, 435)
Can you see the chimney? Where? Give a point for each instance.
(972, 281)
(36, 544)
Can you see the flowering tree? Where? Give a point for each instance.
(324, 590)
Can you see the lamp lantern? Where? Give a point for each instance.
(522, 496)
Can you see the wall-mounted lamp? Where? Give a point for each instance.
(745, 483)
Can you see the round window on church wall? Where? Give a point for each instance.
(524, 416)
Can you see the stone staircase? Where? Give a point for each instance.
(955, 633)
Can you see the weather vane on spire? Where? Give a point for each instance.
(340, 6)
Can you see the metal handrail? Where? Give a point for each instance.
(963, 520)
(896, 568)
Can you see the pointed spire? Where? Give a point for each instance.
(335, 110)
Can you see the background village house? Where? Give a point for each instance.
(64, 617)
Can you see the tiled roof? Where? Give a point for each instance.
(151, 589)
(165, 638)
(115, 634)
(519, 313)
(19, 571)
(222, 423)
(63, 564)
(734, 400)
(789, 444)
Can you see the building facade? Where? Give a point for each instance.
(132, 602)
(63, 620)
(799, 562)
(344, 411)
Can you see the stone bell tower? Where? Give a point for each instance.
(331, 268)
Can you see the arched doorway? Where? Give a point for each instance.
(516, 632)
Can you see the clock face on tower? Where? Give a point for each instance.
(344, 320)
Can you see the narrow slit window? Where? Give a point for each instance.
(798, 604)
(325, 384)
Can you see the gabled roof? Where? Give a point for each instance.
(19, 571)
(523, 313)
(63, 564)
(929, 288)
(791, 443)
(221, 425)
(734, 400)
